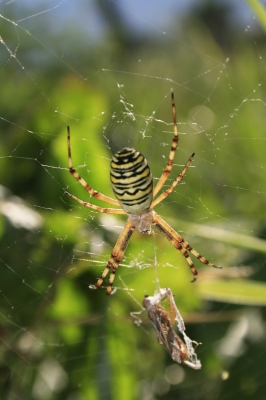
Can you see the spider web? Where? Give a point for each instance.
(107, 70)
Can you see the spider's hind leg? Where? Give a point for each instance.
(170, 234)
(180, 244)
(189, 261)
(198, 256)
(116, 257)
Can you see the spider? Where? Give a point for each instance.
(132, 184)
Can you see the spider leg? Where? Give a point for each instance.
(168, 168)
(116, 257)
(87, 187)
(97, 208)
(197, 255)
(176, 181)
(161, 225)
(180, 244)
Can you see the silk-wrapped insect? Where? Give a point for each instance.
(163, 322)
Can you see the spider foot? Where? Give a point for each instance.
(113, 291)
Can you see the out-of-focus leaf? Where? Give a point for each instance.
(239, 291)
(259, 10)
(224, 235)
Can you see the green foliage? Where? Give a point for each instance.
(48, 314)
(259, 11)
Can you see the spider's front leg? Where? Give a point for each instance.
(116, 257)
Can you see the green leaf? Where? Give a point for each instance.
(246, 292)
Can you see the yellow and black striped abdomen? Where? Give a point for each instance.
(131, 180)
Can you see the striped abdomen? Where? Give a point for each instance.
(131, 180)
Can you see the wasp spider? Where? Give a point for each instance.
(132, 184)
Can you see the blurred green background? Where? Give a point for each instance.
(90, 67)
